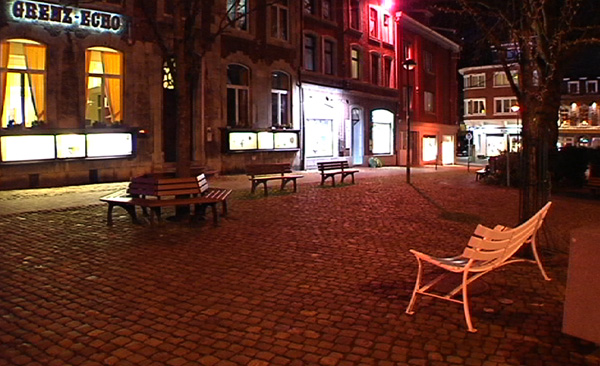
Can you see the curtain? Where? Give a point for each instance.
(88, 60)
(35, 59)
(112, 66)
(4, 53)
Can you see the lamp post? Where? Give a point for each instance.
(408, 65)
(515, 109)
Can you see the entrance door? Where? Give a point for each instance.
(358, 137)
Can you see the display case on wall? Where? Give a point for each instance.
(252, 140)
(54, 144)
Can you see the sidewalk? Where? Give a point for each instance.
(317, 277)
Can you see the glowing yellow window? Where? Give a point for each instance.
(22, 83)
(104, 86)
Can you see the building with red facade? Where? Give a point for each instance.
(87, 93)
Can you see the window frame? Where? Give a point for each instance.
(314, 52)
(107, 76)
(505, 108)
(375, 69)
(279, 93)
(588, 83)
(470, 103)
(354, 13)
(238, 88)
(24, 72)
(355, 63)
(429, 101)
(245, 19)
(329, 63)
(570, 85)
(468, 81)
(374, 29)
(282, 31)
(428, 62)
(387, 31)
(388, 79)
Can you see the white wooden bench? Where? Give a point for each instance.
(487, 250)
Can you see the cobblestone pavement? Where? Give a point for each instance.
(319, 277)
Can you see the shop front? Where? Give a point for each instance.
(64, 118)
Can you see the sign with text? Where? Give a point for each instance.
(66, 16)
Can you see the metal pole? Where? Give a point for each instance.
(407, 125)
(507, 159)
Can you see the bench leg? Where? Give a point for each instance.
(129, 208)
(215, 213)
(224, 205)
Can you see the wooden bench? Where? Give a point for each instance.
(487, 250)
(593, 184)
(155, 193)
(329, 169)
(263, 173)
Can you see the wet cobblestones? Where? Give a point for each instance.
(319, 277)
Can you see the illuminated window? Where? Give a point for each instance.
(373, 23)
(500, 78)
(310, 52)
(355, 14)
(382, 133)
(280, 85)
(22, 82)
(388, 29)
(238, 90)
(474, 107)
(104, 86)
(407, 50)
(237, 13)
(328, 57)
(429, 101)
(168, 78)
(474, 81)
(279, 20)
(355, 63)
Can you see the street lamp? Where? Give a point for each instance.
(408, 65)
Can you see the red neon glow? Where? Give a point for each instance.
(387, 4)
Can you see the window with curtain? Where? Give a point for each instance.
(22, 83)
(104, 86)
(375, 68)
(355, 14)
(238, 90)
(237, 13)
(280, 85)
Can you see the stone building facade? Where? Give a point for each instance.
(87, 92)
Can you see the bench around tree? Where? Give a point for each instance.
(263, 173)
(155, 193)
(329, 169)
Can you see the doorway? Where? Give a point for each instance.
(358, 138)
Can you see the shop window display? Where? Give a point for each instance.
(22, 83)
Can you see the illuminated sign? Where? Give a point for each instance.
(70, 146)
(242, 141)
(286, 140)
(109, 144)
(66, 16)
(265, 140)
(21, 148)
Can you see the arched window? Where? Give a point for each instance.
(104, 86)
(382, 133)
(22, 83)
(238, 90)
(280, 98)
